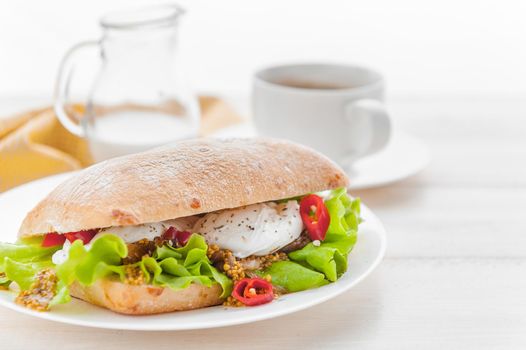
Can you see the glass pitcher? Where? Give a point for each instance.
(138, 99)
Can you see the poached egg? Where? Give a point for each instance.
(257, 229)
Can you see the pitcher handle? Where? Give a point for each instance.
(65, 73)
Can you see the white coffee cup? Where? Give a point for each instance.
(336, 109)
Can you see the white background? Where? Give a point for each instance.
(453, 277)
(423, 47)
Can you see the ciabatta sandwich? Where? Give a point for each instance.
(189, 225)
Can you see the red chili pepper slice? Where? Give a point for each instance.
(181, 237)
(315, 216)
(253, 291)
(53, 239)
(170, 234)
(84, 236)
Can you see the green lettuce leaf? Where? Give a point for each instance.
(177, 268)
(293, 276)
(19, 262)
(87, 266)
(327, 260)
(344, 213)
(26, 251)
(23, 273)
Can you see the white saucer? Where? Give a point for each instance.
(405, 155)
(366, 255)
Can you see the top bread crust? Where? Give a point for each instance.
(181, 179)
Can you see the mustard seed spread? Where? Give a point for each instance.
(6, 286)
(134, 275)
(41, 292)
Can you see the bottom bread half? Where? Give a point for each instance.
(146, 299)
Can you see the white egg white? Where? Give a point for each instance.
(257, 229)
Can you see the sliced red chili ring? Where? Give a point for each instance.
(53, 239)
(85, 236)
(315, 216)
(170, 233)
(183, 237)
(253, 291)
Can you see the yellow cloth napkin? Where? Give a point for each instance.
(34, 144)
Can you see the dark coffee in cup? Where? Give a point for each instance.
(308, 84)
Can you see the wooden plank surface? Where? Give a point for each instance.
(455, 272)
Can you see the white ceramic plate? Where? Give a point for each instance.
(366, 255)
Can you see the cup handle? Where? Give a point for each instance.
(62, 85)
(368, 122)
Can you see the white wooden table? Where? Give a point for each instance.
(455, 273)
